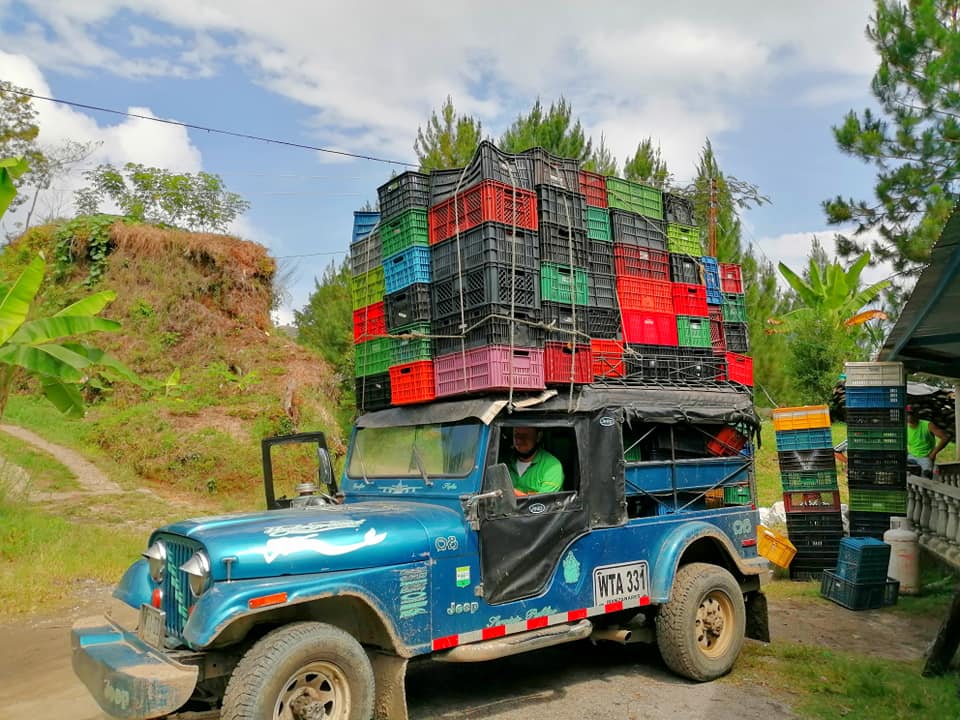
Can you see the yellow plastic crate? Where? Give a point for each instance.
(774, 547)
(807, 417)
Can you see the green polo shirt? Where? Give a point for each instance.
(544, 475)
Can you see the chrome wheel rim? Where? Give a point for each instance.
(316, 691)
(713, 623)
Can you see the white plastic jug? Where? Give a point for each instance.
(904, 563)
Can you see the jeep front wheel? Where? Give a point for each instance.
(700, 630)
(303, 671)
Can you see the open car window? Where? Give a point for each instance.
(439, 450)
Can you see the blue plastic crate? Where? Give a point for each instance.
(364, 223)
(863, 560)
(890, 396)
(653, 477)
(811, 439)
(711, 275)
(406, 268)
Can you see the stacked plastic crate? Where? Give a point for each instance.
(811, 496)
(860, 582)
(876, 445)
(372, 350)
(405, 243)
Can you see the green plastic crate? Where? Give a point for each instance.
(408, 350)
(809, 480)
(367, 288)
(407, 230)
(634, 197)
(632, 454)
(878, 501)
(693, 331)
(864, 438)
(557, 282)
(684, 239)
(734, 308)
(598, 224)
(736, 495)
(373, 356)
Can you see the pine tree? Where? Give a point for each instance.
(448, 141)
(326, 322)
(648, 166)
(552, 131)
(601, 160)
(914, 142)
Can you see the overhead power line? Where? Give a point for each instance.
(218, 131)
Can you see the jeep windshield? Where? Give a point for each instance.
(415, 451)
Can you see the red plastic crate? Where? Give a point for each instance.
(487, 201)
(494, 367)
(647, 328)
(811, 501)
(649, 295)
(731, 278)
(369, 322)
(739, 369)
(607, 358)
(729, 441)
(412, 383)
(643, 262)
(594, 186)
(560, 359)
(689, 299)
(717, 339)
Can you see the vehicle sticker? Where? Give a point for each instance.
(117, 696)
(463, 576)
(571, 569)
(281, 546)
(529, 615)
(413, 592)
(449, 486)
(620, 583)
(741, 527)
(607, 421)
(443, 544)
(536, 508)
(399, 489)
(467, 608)
(311, 527)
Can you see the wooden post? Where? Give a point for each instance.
(948, 639)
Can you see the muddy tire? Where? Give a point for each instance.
(302, 670)
(700, 630)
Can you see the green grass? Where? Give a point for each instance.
(46, 474)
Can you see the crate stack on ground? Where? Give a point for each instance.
(859, 581)
(811, 495)
(876, 445)
(371, 346)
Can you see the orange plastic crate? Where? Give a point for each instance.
(806, 417)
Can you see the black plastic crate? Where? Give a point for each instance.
(816, 541)
(600, 257)
(633, 229)
(444, 183)
(407, 191)
(876, 417)
(601, 290)
(486, 243)
(870, 524)
(490, 284)
(407, 306)
(678, 209)
(366, 253)
(698, 364)
(491, 163)
(686, 269)
(885, 469)
(651, 362)
(558, 245)
(565, 323)
(603, 323)
(562, 207)
(373, 392)
(859, 595)
(819, 522)
(549, 169)
(479, 330)
(816, 558)
(806, 460)
(806, 573)
(737, 338)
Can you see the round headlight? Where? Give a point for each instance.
(156, 556)
(197, 569)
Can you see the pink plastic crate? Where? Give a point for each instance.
(494, 367)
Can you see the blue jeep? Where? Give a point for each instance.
(313, 608)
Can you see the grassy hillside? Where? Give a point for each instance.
(195, 310)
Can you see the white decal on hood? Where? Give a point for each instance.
(290, 545)
(311, 528)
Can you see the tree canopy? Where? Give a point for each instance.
(554, 130)
(448, 141)
(648, 166)
(913, 142)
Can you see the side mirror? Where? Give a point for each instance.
(324, 469)
(498, 478)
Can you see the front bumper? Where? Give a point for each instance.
(128, 678)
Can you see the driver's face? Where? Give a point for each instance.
(524, 439)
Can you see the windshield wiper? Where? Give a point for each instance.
(423, 472)
(363, 467)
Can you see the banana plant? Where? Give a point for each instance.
(10, 170)
(47, 348)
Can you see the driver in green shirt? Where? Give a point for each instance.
(533, 469)
(924, 441)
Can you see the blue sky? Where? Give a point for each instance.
(764, 81)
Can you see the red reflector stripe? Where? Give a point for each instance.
(577, 614)
(613, 607)
(538, 622)
(750, 542)
(445, 643)
(494, 632)
(275, 599)
(645, 600)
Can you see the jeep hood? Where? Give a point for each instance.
(323, 539)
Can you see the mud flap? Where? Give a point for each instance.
(758, 619)
(389, 676)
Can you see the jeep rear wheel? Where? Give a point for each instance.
(700, 630)
(304, 671)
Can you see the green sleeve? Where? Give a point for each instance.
(552, 480)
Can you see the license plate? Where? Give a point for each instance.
(151, 627)
(620, 583)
